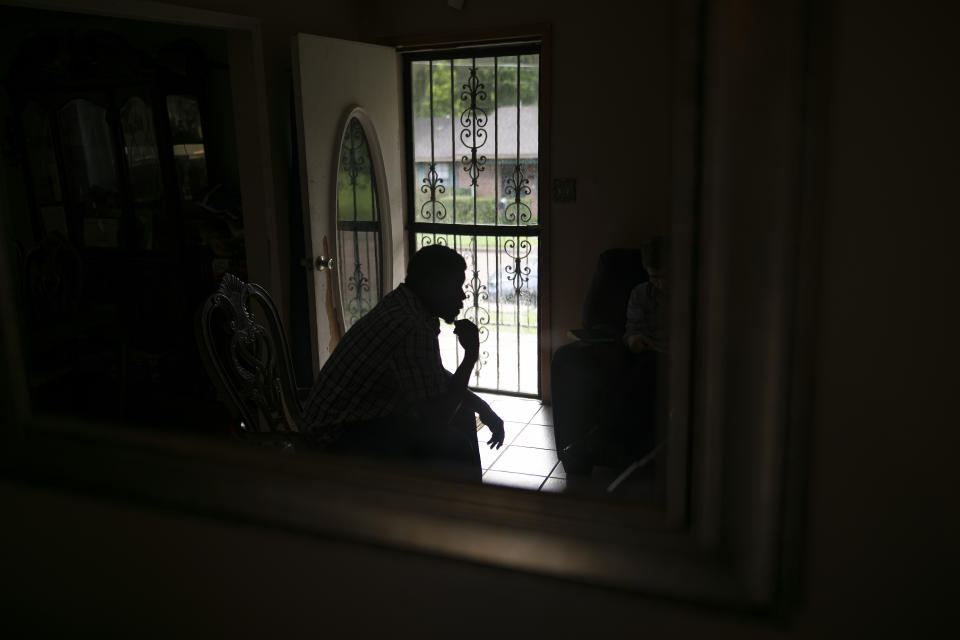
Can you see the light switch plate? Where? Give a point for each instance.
(564, 190)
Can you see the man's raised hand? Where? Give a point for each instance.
(468, 335)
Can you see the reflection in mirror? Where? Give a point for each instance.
(358, 226)
(609, 384)
(137, 360)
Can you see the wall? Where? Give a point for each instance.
(880, 557)
(883, 536)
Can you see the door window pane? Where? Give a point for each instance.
(358, 226)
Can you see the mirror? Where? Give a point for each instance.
(577, 539)
(359, 238)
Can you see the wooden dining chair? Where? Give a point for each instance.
(246, 351)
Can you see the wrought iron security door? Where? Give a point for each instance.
(358, 225)
(473, 154)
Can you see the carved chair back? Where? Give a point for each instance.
(250, 357)
(53, 279)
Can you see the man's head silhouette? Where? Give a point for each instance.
(436, 275)
(656, 259)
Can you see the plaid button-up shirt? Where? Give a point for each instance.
(385, 364)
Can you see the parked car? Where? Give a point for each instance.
(528, 293)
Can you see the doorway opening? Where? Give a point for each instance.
(473, 160)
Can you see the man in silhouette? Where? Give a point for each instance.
(384, 391)
(642, 373)
(646, 328)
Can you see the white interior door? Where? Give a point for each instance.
(331, 78)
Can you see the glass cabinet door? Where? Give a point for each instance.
(143, 170)
(90, 167)
(44, 173)
(188, 150)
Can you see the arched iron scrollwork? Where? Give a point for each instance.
(252, 360)
(352, 158)
(518, 186)
(433, 209)
(427, 240)
(473, 119)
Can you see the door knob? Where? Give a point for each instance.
(320, 263)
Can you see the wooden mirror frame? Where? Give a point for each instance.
(729, 536)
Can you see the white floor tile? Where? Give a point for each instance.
(516, 409)
(543, 416)
(526, 460)
(554, 485)
(536, 435)
(488, 456)
(516, 480)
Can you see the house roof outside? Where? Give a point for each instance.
(504, 122)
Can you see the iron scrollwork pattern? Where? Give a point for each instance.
(518, 250)
(479, 315)
(353, 142)
(518, 185)
(433, 210)
(473, 136)
(473, 119)
(495, 229)
(427, 240)
(358, 286)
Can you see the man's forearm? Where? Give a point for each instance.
(475, 402)
(442, 409)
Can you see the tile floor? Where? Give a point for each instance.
(528, 457)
